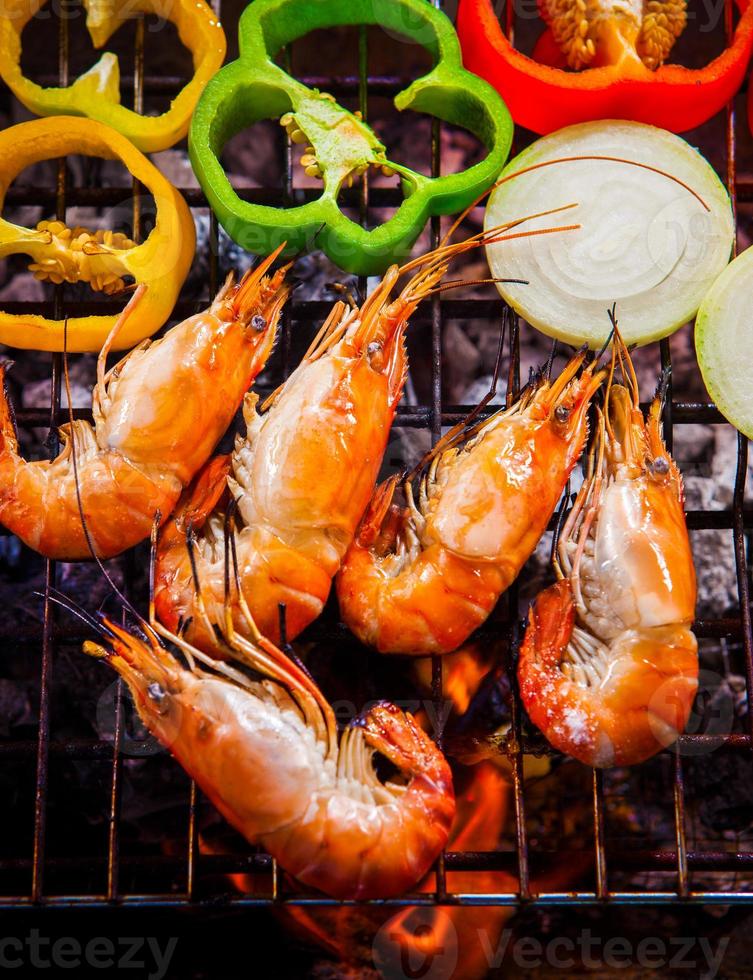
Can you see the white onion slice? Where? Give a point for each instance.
(724, 342)
(646, 242)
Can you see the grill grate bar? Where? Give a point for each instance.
(437, 668)
(620, 860)
(679, 814)
(385, 197)
(602, 888)
(193, 850)
(684, 413)
(51, 574)
(83, 748)
(542, 900)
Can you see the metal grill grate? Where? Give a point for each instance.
(678, 863)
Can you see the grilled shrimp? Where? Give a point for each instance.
(413, 937)
(418, 580)
(303, 473)
(158, 414)
(608, 669)
(266, 754)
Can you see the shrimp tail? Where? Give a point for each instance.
(8, 435)
(555, 703)
(620, 716)
(380, 504)
(207, 492)
(16, 474)
(396, 735)
(550, 628)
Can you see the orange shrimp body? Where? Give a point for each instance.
(609, 668)
(266, 754)
(157, 416)
(301, 477)
(419, 580)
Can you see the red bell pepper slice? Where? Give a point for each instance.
(545, 98)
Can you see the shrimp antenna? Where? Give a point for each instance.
(550, 361)
(282, 620)
(262, 655)
(231, 562)
(623, 353)
(490, 236)
(573, 159)
(314, 237)
(287, 649)
(612, 314)
(493, 385)
(506, 316)
(140, 621)
(559, 523)
(228, 529)
(71, 606)
(351, 293)
(456, 283)
(462, 427)
(211, 627)
(662, 386)
(153, 537)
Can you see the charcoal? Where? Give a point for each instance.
(725, 791)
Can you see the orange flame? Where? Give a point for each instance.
(481, 815)
(462, 672)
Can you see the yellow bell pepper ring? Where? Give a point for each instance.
(96, 93)
(104, 259)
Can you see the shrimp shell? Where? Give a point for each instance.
(158, 414)
(420, 580)
(608, 669)
(266, 754)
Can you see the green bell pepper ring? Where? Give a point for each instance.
(341, 144)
